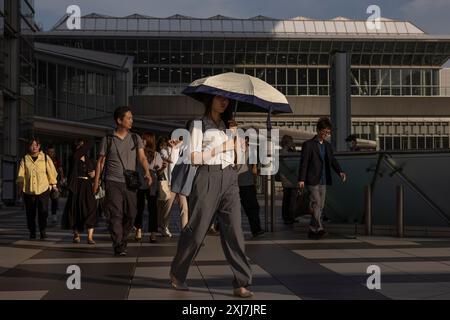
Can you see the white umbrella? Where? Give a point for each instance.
(253, 93)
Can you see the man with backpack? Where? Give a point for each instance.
(118, 155)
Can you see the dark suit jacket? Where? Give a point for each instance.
(311, 163)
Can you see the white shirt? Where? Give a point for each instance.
(214, 136)
(157, 162)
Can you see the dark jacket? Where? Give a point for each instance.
(311, 162)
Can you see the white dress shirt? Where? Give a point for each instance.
(212, 137)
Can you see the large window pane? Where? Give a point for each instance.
(164, 57)
(323, 77)
(261, 74)
(282, 58)
(281, 76)
(260, 58)
(175, 75)
(312, 77)
(186, 75)
(164, 75)
(302, 77)
(395, 77)
(154, 75)
(416, 77)
(292, 76)
(270, 76)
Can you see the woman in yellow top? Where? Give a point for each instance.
(36, 177)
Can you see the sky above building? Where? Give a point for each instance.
(429, 15)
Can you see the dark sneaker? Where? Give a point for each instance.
(120, 253)
(322, 234)
(33, 236)
(43, 235)
(313, 235)
(258, 233)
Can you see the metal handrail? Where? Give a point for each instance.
(415, 188)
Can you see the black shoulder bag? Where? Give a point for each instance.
(131, 177)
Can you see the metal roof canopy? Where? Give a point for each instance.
(109, 60)
(255, 26)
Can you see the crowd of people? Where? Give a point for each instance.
(132, 172)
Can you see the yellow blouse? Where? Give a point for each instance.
(36, 176)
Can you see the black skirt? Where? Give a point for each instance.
(81, 208)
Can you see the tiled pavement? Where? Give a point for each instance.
(286, 265)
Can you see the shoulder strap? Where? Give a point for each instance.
(134, 137)
(108, 144)
(108, 149)
(118, 154)
(46, 167)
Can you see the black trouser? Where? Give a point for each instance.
(39, 203)
(250, 204)
(121, 207)
(54, 205)
(286, 211)
(152, 211)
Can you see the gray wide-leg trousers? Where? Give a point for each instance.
(214, 191)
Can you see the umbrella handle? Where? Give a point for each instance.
(269, 119)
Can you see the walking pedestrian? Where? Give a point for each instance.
(148, 193)
(118, 154)
(288, 180)
(54, 200)
(36, 178)
(247, 190)
(215, 191)
(80, 211)
(171, 153)
(315, 174)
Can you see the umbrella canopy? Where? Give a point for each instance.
(253, 94)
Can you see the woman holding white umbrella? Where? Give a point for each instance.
(215, 187)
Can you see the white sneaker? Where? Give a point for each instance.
(166, 233)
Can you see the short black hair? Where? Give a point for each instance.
(50, 146)
(33, 139)
(323, 123)
(119, 113)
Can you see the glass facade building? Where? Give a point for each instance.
(296, 68)
(16, 83)
(392, 68)
(79, 85)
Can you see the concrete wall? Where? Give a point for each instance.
(180, 107)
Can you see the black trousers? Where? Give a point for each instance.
(250, 204)
(37, 203)
(54, 205)
(286, 205)
(121, 208)
(143, 195)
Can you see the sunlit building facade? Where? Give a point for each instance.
(395, 87)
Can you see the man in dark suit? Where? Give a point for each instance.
(315, 173)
